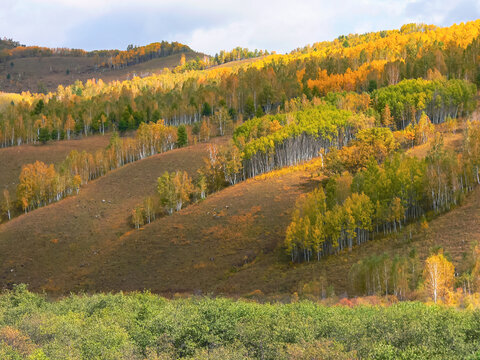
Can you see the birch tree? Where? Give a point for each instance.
(438, 276)
(7, 203)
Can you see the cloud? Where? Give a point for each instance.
(443, 12)
(212, 25)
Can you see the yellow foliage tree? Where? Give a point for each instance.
(438, 275)
(7, 203)
(476, 269)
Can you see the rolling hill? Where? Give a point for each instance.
(37, 74)
(85, 224)
(13, 158)
(232, 241)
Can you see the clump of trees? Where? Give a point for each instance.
(221, 168)
(105, 58)
(41, 184)
(417, 133)
(381, 197)
(403, 277)
(386, 275)
(174, 191)
(439, 99)
(275, 141)
(223, 57)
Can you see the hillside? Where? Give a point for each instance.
(281, 110)
(13, 158)
(161, 203)
(74, 229)
(232, 241)
(38, 74)
(265, 84)
(94, 244)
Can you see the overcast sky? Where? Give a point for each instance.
(213, 25)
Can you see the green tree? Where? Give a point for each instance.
(249, 109)
(182, 137)
(44, 135)
(166, 191)
(206, 109)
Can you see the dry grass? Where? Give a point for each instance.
(451, 141)
(230, 243)
(13, 158)
(49, 72)
(54, 247)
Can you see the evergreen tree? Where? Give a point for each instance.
(206, 109)
(44, 135)
(182, 137)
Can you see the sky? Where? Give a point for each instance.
(212, 25)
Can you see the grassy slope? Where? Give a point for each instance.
(13, 158)
(200, 248)
(29, 73)
(230, 243)
(57, 243)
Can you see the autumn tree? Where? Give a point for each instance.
(204, 131)
(231, 159)
(438, 275)
(387, 119)
(174, 189)
(223, 120)
(202, 186)
(7, 203)
(183, 188)
(69, 125)
(149, 209)
(166, 191)
(423, 129)
(138, 217)
(213, 170)
(37, 185)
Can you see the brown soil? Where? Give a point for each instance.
(201, 248)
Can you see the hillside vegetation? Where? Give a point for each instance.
(41, 69)
(145, 326)
(354, 105)
(86, 224)
(13, 158)
(232, 241)
(43, 74)
(262, 86)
